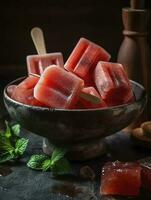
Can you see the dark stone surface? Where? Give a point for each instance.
(26, 184)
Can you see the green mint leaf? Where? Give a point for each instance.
(8, 133)
(5, 144)
(16, 129)
(46, 165)
(5, 157)
(10, 146)
(21, 146)
(36, 162)
(61, 167)
(57, 154)
(57, 163)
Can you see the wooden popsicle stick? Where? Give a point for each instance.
(38, 39)
(36, 75)
(91, 98)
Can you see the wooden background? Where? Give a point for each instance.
(63, 23)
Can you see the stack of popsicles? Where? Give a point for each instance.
(86, 73)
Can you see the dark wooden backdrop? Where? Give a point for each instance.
(63, 23)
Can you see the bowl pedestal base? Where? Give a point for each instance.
(80, 151)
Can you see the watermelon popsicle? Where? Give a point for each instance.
(85, 57)
(23, 92)
(59, 88)
(113, 84)
(36, 64)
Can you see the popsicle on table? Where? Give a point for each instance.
(112, 83)
(36, 64)
(24, 92)
(85, 57)
(119, 178)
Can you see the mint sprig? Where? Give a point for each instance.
(5, 157)
(36, 161)
(8, 133)
(57, 163)
(21, 146)
(11, 145)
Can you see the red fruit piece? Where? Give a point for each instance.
(79, 106)
(120, 178)
(89, 82)
(146, 176)
(85, 57)
(113, 84)
(36, 64)
(29, 82)
(87, 104)
(23, 93)
(58, 88)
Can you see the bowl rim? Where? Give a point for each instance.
(5, 95)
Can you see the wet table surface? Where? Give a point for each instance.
(17, 182)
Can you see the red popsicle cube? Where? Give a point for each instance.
(29, 82)
(121, 179)
(113, 84)
(79, 106)
(58, 88)
(89, 82)
(23, 93)
(36, 64)
(85, 57)
(146, 176)
(87, 104)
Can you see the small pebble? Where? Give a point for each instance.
(87, 173)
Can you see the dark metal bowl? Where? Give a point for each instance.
(71, 127)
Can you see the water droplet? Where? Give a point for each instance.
(87, 172)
